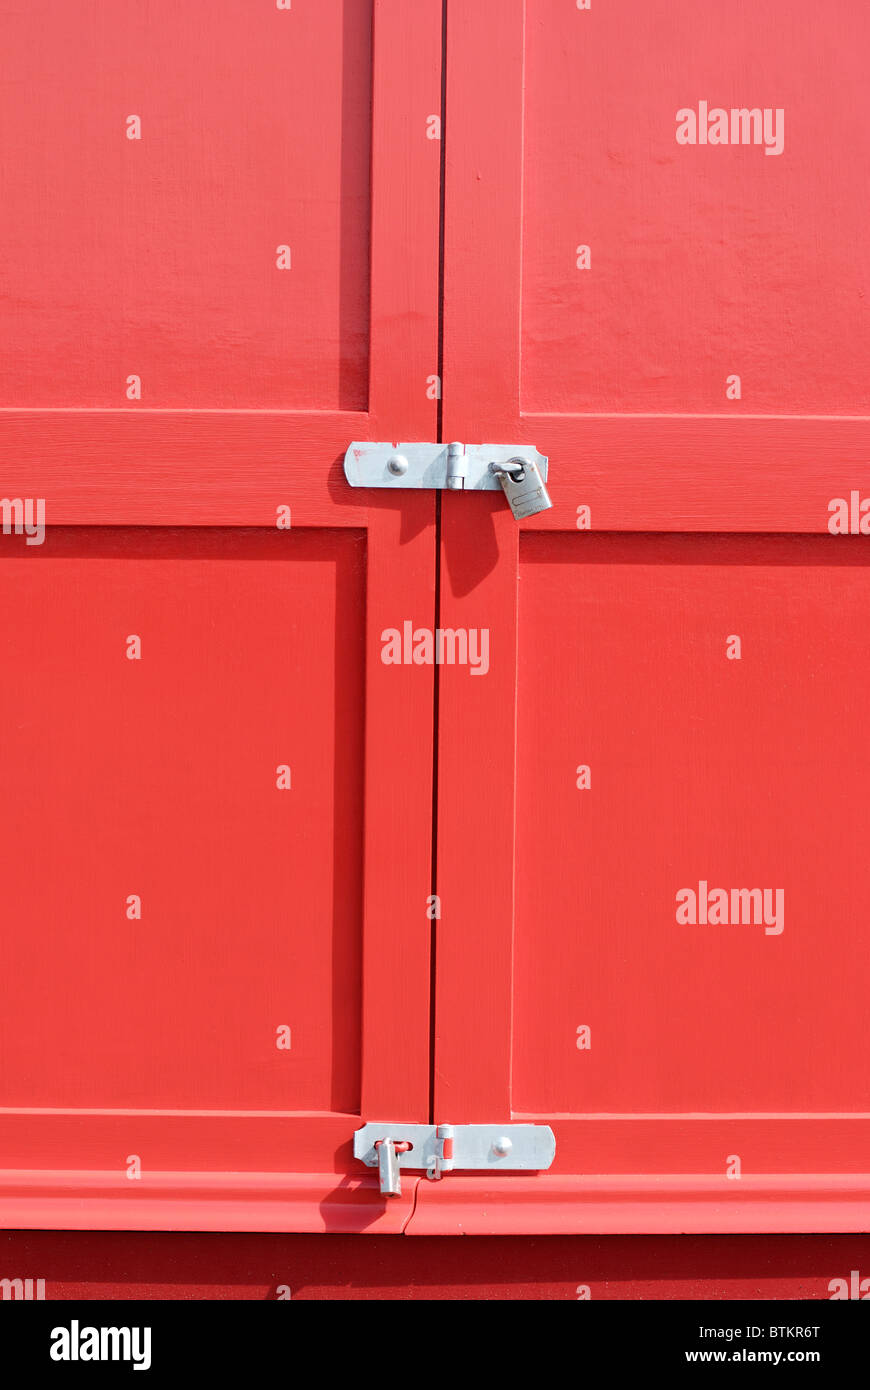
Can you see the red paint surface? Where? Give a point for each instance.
(157, 258)
(175, 1005)
(142, 1086)
(705, 260)
(120, 1265)
(711, 1045)
(702, 768)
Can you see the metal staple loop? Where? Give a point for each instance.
(516, 468)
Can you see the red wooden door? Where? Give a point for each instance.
(217, 272)
(220, 266)
(678, 675)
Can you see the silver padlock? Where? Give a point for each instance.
(523, 486)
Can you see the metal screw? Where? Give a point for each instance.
(502, 1145)
(398, 464)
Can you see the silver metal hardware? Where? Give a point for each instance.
(388, 1167)
(514, 468)
(457, 467)
(523, 486)
(439, 1149)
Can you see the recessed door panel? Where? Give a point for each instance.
(184, 755)
(689, 929)
(682, 167)
(186, 201)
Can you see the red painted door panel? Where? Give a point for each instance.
(704, 259)
(213, 899)
(699, 768)
(652, 820)
(213, 283)
(163, 154)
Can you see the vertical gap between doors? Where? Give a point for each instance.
(433, 928)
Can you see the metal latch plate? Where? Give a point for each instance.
(433, 465)
(510, 1147)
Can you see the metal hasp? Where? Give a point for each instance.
(438, 1149)
(458, 467)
